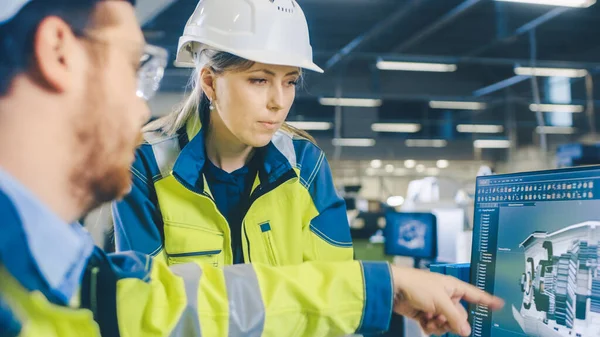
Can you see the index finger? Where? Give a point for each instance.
(456, 321)
(475, 295)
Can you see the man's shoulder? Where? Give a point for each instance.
(8, 211)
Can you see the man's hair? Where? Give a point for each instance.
(17, 35)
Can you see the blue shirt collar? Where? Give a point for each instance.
(59, 251)
(190, 162)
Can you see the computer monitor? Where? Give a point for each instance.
(411, 234)
(536, 244)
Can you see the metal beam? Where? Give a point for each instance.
(448, 18)
(374, 32)
(501, 22)
(526, 28)
(500, 85)
(149, 9)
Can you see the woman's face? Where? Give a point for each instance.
(253, 104)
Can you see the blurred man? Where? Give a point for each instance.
(71, 109)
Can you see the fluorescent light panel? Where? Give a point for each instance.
(396, 127)
(442, 163)
(555, 130)
(409, 163)
(376, 163)
(551, 72)
(416, 66)
(351, 102)
(566, 108)
(491, 144)
(564, 3)
(395, 201)
(426, 143)
(311, 126)
(457, 105)
(479, 128)
(353, 142)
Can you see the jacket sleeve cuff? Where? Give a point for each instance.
(379, 298)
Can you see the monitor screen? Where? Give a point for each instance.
(536, 245)
(411, 234)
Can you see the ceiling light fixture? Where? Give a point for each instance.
(416, 66)
(456, 105)
(351, 102)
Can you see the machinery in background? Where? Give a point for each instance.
(366, 224)
(453, 234)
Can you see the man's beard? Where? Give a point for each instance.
(102, 173)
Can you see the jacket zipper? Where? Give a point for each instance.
(192, 189)
(204, 194)
(212, 252)
(260, 191)
(94, 290)
(268, 237)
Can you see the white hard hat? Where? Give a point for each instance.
(10, 8)
(265, 31)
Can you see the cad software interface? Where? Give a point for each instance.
(536, 244)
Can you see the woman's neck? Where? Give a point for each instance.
(225, 151)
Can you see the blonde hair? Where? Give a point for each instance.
(197, 102)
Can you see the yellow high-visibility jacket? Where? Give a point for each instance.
(294, 213)
(132, 295)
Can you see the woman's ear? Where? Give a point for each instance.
(207, 81)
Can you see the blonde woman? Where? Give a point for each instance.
(223, 179)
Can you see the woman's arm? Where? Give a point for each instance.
(326, 231)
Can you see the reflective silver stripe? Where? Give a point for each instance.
(246, 308)
(189, 324)
(166, 151)
(285, 144)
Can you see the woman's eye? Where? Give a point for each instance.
(258, 80)
(294, 82)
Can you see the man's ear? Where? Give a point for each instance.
(54, 50)
(207, 81)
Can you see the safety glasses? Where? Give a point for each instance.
(151, 71)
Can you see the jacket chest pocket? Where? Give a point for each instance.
(186, 243)
(268, 242)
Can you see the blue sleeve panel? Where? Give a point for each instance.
(379, 298)
(315, 174)
(137, 218)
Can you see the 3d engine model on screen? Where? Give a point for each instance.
(561, 283)
(412, 235)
